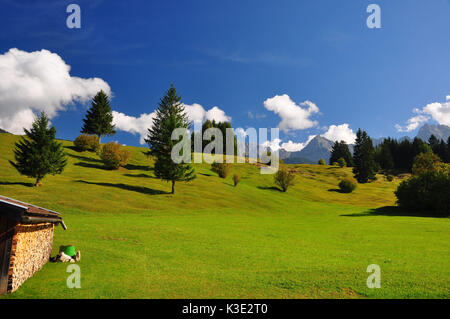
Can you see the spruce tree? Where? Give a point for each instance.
(363, 158)
(38, 153)
(169, 116)
(99, 118)
(341, 150)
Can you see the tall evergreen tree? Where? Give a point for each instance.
(38, 153)
(433, 141)
(99, 118)
(169, 116)
(363, 158)
(384, 157)
(341, 150)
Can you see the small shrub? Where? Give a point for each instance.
(86, 142)
(390, 178)
(236, 179)
(335, 164)
(284, 178)
(321, 162)
(113, 155)
(222, 169)
(342, 162)
(347, 185)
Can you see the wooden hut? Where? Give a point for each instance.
(26, 240)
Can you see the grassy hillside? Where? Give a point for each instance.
(211, 240)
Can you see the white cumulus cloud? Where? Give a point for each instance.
(39, 81)
(140, 125)
(440, 112)
(135, 125)
(340, 133)
(217, 114)
(296, 147)
(293, 116)
(412, 123)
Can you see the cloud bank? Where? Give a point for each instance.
(139, 125)
(440, 112)
(293, 116)
(39, 81)
(340, 133)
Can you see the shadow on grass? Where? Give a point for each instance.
(138, 175)
(205, 174)
(337, 190)
(73, 148)
(394, 211)
(132, 167)
(85, 158)
(91, 165)
(270, 188)
(18, 183)
(138, 189)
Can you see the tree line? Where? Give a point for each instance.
(390, 155)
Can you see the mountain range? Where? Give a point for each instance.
(320, 147)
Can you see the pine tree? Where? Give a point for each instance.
(99, 117)
(341, 150)
(383, 156)
(363, 158)
(38, 153)
(169, 116)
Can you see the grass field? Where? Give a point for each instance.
(211, 240)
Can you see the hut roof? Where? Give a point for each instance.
(27, 213)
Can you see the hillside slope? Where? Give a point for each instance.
(212, 240)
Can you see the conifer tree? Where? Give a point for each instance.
(38, 153)
(363, 158)
(99, 118)
(341, 150)
(169, 116)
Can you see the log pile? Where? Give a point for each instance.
(31, 249)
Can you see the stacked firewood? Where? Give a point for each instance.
(31, 249)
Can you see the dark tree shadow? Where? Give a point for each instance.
(138, 175)
(73, 148)
(132, 167)
(85, 158)
(395, 211)
(18, 183)
(138, 189)
(270, 188)
(337, 190)
(91, 165)
(205, 174)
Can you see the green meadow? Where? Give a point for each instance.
(213, 240)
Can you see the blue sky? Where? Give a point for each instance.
(237, 54)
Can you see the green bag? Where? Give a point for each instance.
(69, 250)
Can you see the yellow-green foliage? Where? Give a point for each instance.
(347, 185)
(284, 178)
(222, 169)
(236, 179)
(342, 162)
(114, 156)
(86, 142)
